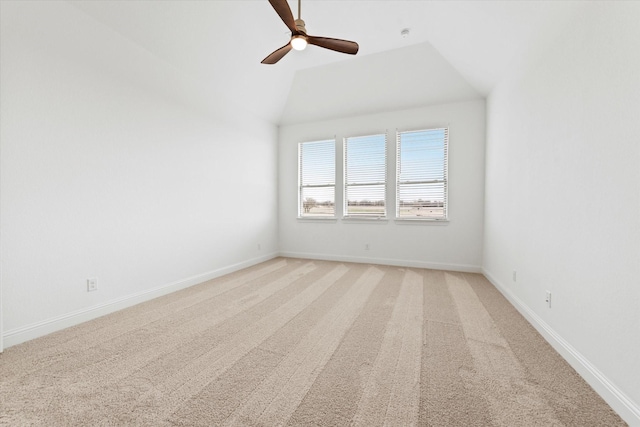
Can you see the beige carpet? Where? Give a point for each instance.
(297, 342)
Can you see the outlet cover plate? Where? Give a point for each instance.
(548, 299)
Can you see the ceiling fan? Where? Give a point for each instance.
(300, 38)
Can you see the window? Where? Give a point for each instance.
(365, 171)
(316, 178)
(422, 174)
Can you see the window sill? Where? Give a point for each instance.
(421, 221)
(364, 219)
(321, 219)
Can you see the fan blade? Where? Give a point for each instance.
(277, 55)
(284, 11)
(344, 46)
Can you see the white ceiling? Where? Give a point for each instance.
(455, 49)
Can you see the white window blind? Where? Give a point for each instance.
(365, 168)
(316, 172)
(422, 174)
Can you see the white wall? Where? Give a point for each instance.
(109, 170)
(375, 83)
(456, 245)
(563, 196)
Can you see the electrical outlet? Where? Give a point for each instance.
(514, 275)
(259, 246)
(366, 246)
(548, 299)
(92, 284)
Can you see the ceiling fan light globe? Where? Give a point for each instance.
(298, 42)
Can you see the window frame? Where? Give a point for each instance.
(346, 184)
(302, 186)
(444, 180)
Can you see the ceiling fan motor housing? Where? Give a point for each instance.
(300, 26)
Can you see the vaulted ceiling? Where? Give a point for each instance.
(455, 50)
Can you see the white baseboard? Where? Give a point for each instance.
(385, 261)
(628, 410)
(35, 330)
